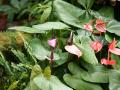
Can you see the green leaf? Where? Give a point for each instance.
(114, 80)
(13, 86)
(96, 77)
(15, 3)
(114, 27)
(52, 84)
(40, 82)
(68, 13)
(117, 59)
(20, 56)
(26, 29)
(47, 72)
(107, 12)
(63, 59)
(46, 14)
(40, 52)
(79, 84)
(36, 70)
(75, 69)
(87, 4)
(51, 26)
(88, 52)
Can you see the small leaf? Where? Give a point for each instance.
(46, 14)
(47, 72)
(13, 86)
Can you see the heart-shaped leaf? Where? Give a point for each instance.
(68, 13)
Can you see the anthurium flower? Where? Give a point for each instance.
(73, 50)
(96, 45)
(108, 62)
(100, 25)
(52, 42)
(112, 48)
(88, 27)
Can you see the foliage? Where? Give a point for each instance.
(33, 55)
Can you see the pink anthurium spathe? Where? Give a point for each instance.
(52, 42)
(96, 45)
(88, 27)
(112, 48)
(73, 50)
(108, 62)
(100, 25)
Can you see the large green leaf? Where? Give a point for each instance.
(114, 80)
(26, 29)
(51, 26)
(40, 82)
(40, 52)
(68, 13)
(87, 4)
(52, 84)
(98, 75)
(114, 27)
(79, 84)
(88, 52)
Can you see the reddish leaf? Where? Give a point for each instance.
(112, 48)
(100, 25)
(96, 45)
(108, 62)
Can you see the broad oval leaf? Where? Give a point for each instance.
(79, 84)
(53, 84)
(51, 26)
(68, 13)
(114, 27)
(26, 29)
(96, 77)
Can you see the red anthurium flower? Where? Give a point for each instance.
(52, 42)
(88, 27)
(100, 25)
(112, 48)
(96, 45)
(73, 50)
(108, 62)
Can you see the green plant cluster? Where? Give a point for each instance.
(25, 55)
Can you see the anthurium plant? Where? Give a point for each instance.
(73, 45)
